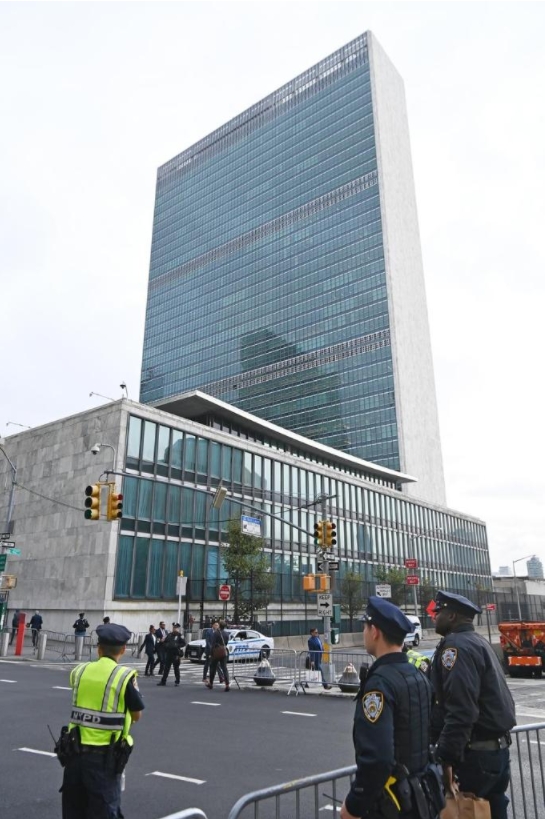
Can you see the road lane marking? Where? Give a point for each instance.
(174, 776)
(34, 751)
(213, 704)
(299, 713)
(62, 687)
(533, 713)
(9, 681)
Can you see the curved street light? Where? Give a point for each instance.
(515, 581)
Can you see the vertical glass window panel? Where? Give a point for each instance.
(174, 503)
(124, 566)
(144, 499)
(215, 459)
(212, 572)
(200, 514)
(148, 446)
(277, 479)
(176, 452)
(155, 568)
(140, 567)
(171, 569)
(185, 558)
(197, 569)
(258, 471)
(213, 521)
(133, 440)
(202, 456)
(295, 482)
(247, 474)
(160, 502)
(285, 480)
(187, 507)
(189, 452)
(237, 466)
(130, 492)
(267, 474)
(163, 446)
(226, 464)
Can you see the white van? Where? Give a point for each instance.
(414, 638)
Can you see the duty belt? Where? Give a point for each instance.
(490, 744)
(95, 749)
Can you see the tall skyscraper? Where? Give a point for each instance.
(535, 568)
(286, 273)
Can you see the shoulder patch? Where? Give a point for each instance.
(448, 658)
(373, 703)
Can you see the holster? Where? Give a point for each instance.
(68, 744)
(118, 755)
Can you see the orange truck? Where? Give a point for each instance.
(523, 647)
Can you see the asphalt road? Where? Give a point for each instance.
(193, 747)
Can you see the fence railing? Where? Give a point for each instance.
(283, 663)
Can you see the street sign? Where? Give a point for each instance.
(430, 608)
(384, 590)
(413, 580)
(14, 551)
(324, 566)
(325, 605)
(333, 565)
(411, 563)
(5, 535)
(3, 559)
(250, 526)
(225, 593)
(491, 607)
(8, 581)
(181, 585)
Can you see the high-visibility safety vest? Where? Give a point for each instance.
(417, 659)
(98, 701)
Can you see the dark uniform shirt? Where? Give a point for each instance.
(473, 701)
(391, 725)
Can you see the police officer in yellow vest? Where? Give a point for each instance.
(105, 701)
(417, 659)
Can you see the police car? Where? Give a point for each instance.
(414, 638)
(244, 644)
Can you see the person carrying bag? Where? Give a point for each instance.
(219, 653)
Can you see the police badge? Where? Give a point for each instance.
(373, 703)
(448, 658)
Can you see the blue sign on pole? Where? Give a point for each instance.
(250, 526)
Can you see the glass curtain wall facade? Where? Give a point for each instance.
(267, 284)
(168, 523)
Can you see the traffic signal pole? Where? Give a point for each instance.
(329, 670)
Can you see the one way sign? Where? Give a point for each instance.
(325, 605)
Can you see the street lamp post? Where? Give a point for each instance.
(515, 581)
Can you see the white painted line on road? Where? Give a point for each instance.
(34, 751)
(330, 807)
(174, 776)
(213, 704)
(299, 713)
(9, 681)
(535, 742)
(532, 713)
(62, 687)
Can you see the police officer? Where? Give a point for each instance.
(106, 697)
(391, 725)
(417, 659)
(172, 646)
(474, 710)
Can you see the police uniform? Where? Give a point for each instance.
(103, 694)
(391, 728)
(473, 710)
(172, 648)
(419, 661)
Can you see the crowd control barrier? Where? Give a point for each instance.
(283, 663)
(527, 788)
(334, 665)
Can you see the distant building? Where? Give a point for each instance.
(504, 571)
(535, 568)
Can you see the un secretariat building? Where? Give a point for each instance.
(286, 273)
(168, 466)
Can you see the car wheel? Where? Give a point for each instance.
(416, 640)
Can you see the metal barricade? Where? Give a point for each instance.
(333, 664)
(527, 788)
(55, 642)
(188, 813)
(299, 799)
(69, 647)
(283, 663)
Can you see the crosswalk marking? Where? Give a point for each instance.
(35, 751)
(9, 681)
(213, 704)
(62, 687)
(299, 713)
(175, 776)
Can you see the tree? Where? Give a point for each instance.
(248, 571)
(352, 598)
(396, 578)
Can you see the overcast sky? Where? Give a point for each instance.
(95, 96)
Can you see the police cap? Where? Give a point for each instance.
(175, 625)
(111, 634)
(388, 618)
(455, 602)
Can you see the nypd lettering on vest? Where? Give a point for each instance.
(448, 658)
(373, 703)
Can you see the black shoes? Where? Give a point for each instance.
(177, 682)
(161, 683)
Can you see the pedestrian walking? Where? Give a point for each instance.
(316, 653)
(173, 648)
(391, 727)
(81, 625)
(160, 635)
(36, 623)
(474, 710)
(208, 635)
(149, 644)
(219, 652)
(14, 625)
(105, 695)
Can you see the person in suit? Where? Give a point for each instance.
(160, 637)
(149, 645)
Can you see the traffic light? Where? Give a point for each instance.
(335, 636)
(115, 505)
(336, 618)
(325, 582)
(309, 584)
(319, 533)
(92, 501)
(329, 533)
